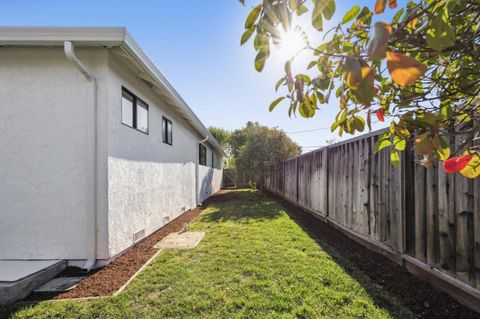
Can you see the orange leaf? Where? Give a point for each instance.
(392, 4)
(380, 115)
(403, 69)
(380, 6)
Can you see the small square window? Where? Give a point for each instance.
(167, 131)
(134, 111)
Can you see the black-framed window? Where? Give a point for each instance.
(167, 131)
(213, 160)
(134, 111)
(202, 155)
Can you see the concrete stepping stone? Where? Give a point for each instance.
(186, 240)
(59, 284)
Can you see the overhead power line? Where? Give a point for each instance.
(307, 131)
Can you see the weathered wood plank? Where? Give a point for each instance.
(476, 223)
(431, 209)
(420, 216)
(464, 211)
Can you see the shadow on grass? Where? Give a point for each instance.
(242, 207)
(252, 206)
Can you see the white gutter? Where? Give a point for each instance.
(197, 171)
(92, 166)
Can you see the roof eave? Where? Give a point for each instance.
(106, 37)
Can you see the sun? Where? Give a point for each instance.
(292, 43)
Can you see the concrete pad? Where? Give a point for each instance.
(185, 240)
(59, 284)
(30, 274)
(15, 270)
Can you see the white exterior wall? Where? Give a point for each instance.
(44, 154)
(44, 158)
(210, 178)
(150, 182)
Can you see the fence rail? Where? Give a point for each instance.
(424, 217)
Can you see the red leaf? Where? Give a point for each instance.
(381, 115)
(456, 164)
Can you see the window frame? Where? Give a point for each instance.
(135, 100)
(200, 162)
(166, 121)
(213, 159)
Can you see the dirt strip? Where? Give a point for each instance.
(107, 280)
(420, 297)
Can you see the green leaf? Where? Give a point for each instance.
(275, 103)
(311, 64)
(279, 83)
(381, 144)
(305, 78)
(359, 123)
(288, 67)
(303, 9)
(253, 16)
(317, 19)
(247, 34)
(329, 8)
(395, 158)
(442, 151)
(351, 14)
(399, 143)
(294, 4)
(365, 16)
(334, 126)
(260, 59)
(440, 34)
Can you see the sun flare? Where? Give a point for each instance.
(291, 43)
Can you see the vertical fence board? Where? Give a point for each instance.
(476, 216)
(431, 210)
(420, 216)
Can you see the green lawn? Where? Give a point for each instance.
(254, 262)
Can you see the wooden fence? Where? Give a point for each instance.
(424, 219)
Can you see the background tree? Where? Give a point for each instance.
(256, 147)
(418, 71)
(223, 138)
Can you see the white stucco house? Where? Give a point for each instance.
(97, 149)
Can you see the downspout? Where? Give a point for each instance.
(197, 171)
(92, 137)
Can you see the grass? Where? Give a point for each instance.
(254, 262)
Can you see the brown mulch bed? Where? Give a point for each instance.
(420, 297)
(107, 280)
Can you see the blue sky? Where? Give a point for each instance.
(196, 44)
